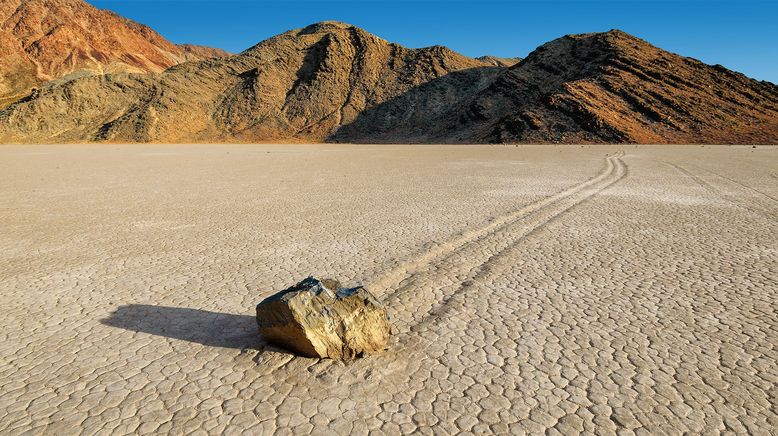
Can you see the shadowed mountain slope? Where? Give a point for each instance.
(41, 40)
(335, 82)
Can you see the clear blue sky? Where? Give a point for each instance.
(741, 35)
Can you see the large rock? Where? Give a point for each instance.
(318, 318)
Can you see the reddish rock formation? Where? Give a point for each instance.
(50, 39)
(18, 73)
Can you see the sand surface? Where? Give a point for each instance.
(533, 289)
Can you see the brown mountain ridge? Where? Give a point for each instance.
(335, 82)
(594, 88)
(300, 85)
(41, 40)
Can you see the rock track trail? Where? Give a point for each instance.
(434, 278)
(741, 184)
(408, 267)
(732, 191)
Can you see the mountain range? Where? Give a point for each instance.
(43, 40)
(110, 79)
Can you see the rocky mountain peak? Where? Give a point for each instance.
(326, 26)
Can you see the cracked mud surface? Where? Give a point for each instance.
(532, 289)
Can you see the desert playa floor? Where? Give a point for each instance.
(533, 289)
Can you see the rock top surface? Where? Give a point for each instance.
(319, 318)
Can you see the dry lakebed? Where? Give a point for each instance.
(531, 289)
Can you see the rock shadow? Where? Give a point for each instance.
(212, 329)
